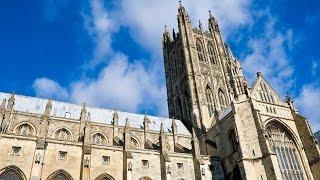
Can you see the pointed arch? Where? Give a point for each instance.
(12, 172)
(145, 178)
(211, 53)
(283, 144)
(222, 99)
(60, 175)
(99, 139)
(63, 133)
(104, 177)
(210, 102)
(134, 143)
(25, 128)
(200, 50)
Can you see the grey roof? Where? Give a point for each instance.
(59, 109)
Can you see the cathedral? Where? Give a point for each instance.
(219, 126)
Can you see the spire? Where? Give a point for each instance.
(213, 23)
(200, 25)
(166, 36)
(115, 118)
(48, 108)
(11, 101)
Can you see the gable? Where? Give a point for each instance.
(263, 91)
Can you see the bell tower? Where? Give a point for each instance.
(199, 86)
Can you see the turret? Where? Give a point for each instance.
(166, 36)
(213, 23)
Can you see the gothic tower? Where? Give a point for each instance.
(202, 76)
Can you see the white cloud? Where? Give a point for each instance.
(100, 26)
(123, 85)
(48, 88)
(268, 55)
(146, 19)
(308, 104)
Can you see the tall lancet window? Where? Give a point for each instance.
(210, 101)
(287, 153)
(211, 53)
(200, 51)
(222, 100)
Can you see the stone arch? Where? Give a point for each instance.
(12, 172)
(286, 127)
(222, 99)
(211, 53)
(25, 128)
(285, 146)
(200, 51)
(63, 133)
(104, 177)
(60, 175)
(145, 178)
(134, 142)
(99, 138)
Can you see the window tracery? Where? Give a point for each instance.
(134, 143)
(286, 151)
(222, 100)
(99, 139)
(211, 53)
(25, 129)
(63, 134)
(210, 103)
(200, 51)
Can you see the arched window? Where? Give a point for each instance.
(211, 53)
(134, 143)
(287, 153)
(63, 134)
(99, 139)
(210, 101)
(25, 129)
(200, 50)
(12, 173)
(222, 100)
(145, 178)
(60, 175)
(233, 141)
(104, 177)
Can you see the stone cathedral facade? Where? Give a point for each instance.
(218, 128)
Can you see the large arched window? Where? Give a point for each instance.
(211, 53)
(12, 173)
(60, 175)
(200, 50)
(145, 178)
(287, 152)
(222, 100)
(105, 177)
(210, 105)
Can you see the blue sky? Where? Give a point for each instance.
(108, 53)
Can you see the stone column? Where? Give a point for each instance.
(86, 158)
(39, 153)
(115, 126)
(146, 122)
(7, 114)
(127, 155)
(2, 112)
(165, 162)
(83, 117)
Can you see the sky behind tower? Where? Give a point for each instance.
(108, 53)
